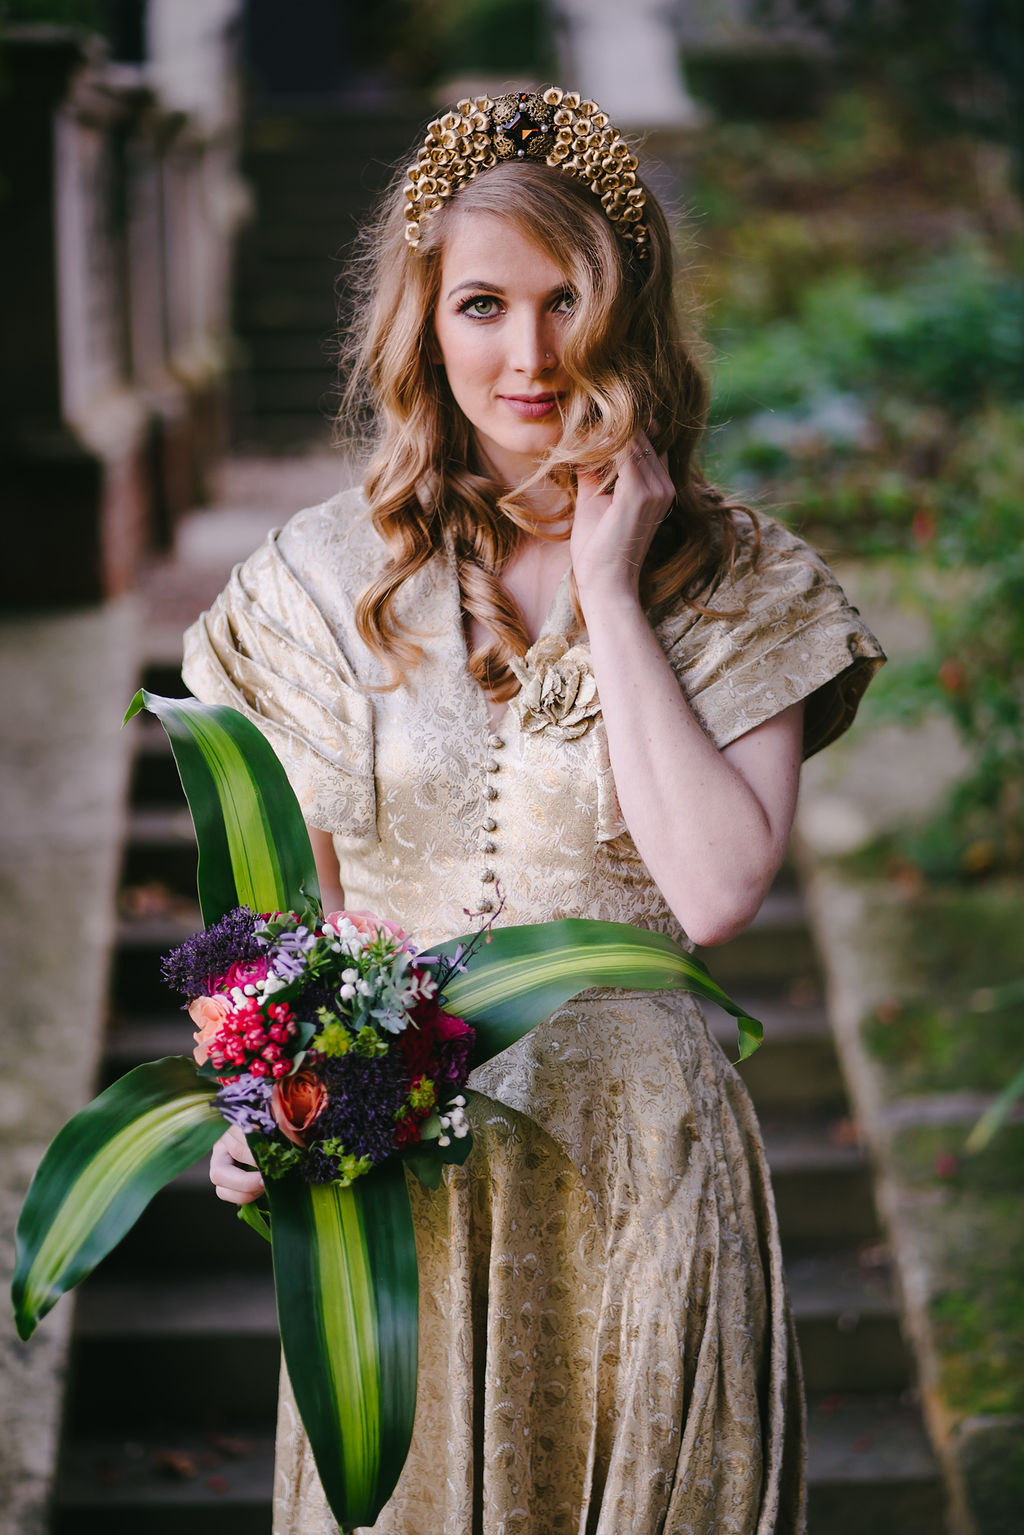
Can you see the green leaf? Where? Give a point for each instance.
(996, 1115)
(253, 845)
(100, 1173)
(253, 1216)
(347, 1297)
(523, 973)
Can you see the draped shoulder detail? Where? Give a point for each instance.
(785, 633)
(270, 647)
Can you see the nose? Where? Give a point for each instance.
(533, 348)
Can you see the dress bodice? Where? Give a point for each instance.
(433, 810)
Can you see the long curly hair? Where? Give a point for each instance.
(630, 367)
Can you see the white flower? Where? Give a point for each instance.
(347, 992)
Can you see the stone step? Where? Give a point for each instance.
(301, 350)
(313, 389)
(141, 944)
(796, 1067)
(186, 1228)
(220, 1329)
(848, 1323)
(870, 1466)
(776, 948)
(160, 845)
(150, 1484)
(154, 781)
(162, 674)
(823, 1187)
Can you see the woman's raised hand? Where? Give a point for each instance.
(612, 532)
(232, 1182)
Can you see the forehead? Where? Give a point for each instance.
(486, 248)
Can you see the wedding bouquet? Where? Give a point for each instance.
(326, 1037)
(343, 1053)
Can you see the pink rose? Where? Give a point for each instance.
(449, 1027)
(366, 923)
(209, 1015)
(244, 972)
(296, 1102)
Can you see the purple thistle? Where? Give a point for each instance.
(190, 968)
(245, 1102)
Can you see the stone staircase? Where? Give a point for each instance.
(314, 175)
(173, 1375)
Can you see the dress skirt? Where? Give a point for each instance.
(606, 1346)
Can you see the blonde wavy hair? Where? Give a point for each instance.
(631, 370)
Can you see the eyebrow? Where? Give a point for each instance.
(495, 287)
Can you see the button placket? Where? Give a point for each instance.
(489, 823)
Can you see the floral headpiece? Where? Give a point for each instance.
(555, 127)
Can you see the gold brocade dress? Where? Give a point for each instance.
(605, 1340)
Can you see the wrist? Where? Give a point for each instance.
(615, 603)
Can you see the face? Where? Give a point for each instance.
(500, 320)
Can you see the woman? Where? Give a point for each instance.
(540, 655)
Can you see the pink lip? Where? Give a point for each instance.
(530, 406)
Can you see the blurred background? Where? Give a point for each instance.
(179, 183)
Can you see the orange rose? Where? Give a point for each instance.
(296, 1102)
(208, 1014)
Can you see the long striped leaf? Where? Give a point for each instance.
(253, 845)
(522, 974)
(100, 1173)
(347, 1296)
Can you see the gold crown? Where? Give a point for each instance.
(555, 127)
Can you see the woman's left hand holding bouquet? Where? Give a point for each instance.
(232, 1180)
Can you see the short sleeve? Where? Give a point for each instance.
(780, 631)
(266, 649)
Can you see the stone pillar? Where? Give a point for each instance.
(72, 440)
(626, 55)
(121, 206)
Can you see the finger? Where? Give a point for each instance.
(237, 1146)
(237, 1196)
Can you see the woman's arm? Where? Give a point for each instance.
(328, 873)
(710, 825)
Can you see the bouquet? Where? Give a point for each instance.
(343, 1053)
(327, 1039)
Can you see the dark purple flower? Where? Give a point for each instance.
(364, 1096)
(192, 967)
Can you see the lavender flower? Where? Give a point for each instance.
(245, 1102)
(192, 967)
(288, 966)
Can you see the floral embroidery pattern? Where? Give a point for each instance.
(559, 691)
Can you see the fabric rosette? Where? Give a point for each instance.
(342, 1053)
(559, 691)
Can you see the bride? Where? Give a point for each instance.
(537, 653)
